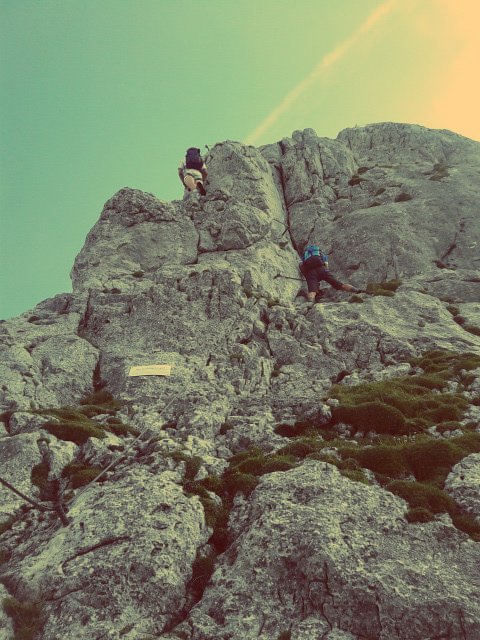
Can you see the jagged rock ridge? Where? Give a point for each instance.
(211, 286)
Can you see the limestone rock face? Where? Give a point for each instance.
(136, 233)
(367, 198)
(121, 565)
(43, 360)
(315, 552)
(18, 455)
(211, 286)
(463, 483)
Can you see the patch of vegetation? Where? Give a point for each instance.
(192, 463)
(403, 197)
(386, 288)
(5, 417)
(428, 461)
(398, 406)
(459, 319)
(7, 524)
(4, 556)
(426, 500)
(99, 402)
(39, 478)
(300, 447)
(439, 172)
(375, 415)
(118, 428)
(357, 475)
(446, 364)
(452, 425)
(80, 474)
(27, 617)
(419, 514)
(226, 427)
(424, 496)
(453, 310)
(355, 180)
(75, 424)
(202, 570)
(468, 524)
(72, 426)
(472, 329)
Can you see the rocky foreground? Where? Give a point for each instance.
(307, 471)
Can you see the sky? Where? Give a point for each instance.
(96, 95)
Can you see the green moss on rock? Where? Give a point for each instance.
(375, 415)
(80, 474)
(386, 288)
(420, 494)
(27, 617)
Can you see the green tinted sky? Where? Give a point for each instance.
(101, 94)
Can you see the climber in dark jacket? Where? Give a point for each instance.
(192, 171)
(314, 268)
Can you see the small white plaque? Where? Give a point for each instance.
(151, 370)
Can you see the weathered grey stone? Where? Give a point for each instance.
(121, 566)
(463, 484)
(18, 454)
(310, 542)
(211, 286)
(241, 174)
(103, 451)
(24, 422)
(135, 235)
(47, 364)
(470, 315)
(249, 431)
(408, 240)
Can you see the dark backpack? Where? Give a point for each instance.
(314, 250)
(193, 159)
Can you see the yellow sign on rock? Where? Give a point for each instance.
(151, 370)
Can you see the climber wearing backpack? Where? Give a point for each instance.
(314, 268)
(192, 171)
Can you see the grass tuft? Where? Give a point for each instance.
(386, 288)
(27, 617)
(80, 474)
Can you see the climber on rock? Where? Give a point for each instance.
(314, 268)
(192, 171)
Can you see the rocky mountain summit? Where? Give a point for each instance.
(306, 471)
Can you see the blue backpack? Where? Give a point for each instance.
(314, 250)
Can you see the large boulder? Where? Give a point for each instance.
(121, 566)
(135, 235)
(43, 360)
(463, 484)
(315, 552)
(18, 456)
